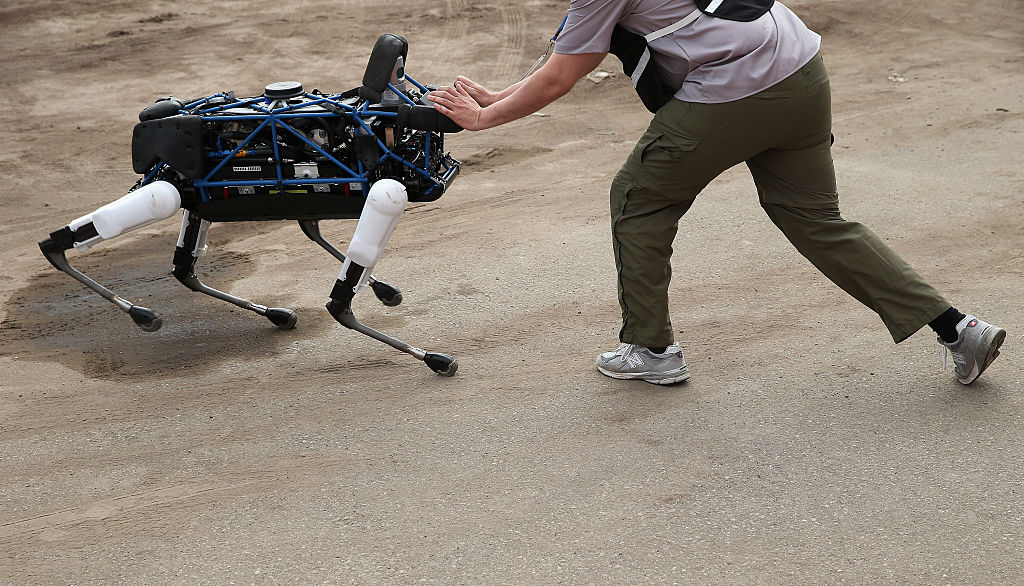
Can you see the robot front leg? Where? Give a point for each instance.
(384, 205)
(141, 207)
(387, 293)
(192, 245)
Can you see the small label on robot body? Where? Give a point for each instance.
(253, 169)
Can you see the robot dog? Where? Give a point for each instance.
(288, 154)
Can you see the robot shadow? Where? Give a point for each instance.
(54, 320)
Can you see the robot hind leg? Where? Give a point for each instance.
(141, 207)
(192, 245)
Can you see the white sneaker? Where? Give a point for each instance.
(976, 346)
(637, 362)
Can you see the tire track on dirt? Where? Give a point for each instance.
(458, 214)
(1007, 7)
(936, 94)
(910, 10)
(455, 28)
(105, 508)
(274, 477)
(512, 42)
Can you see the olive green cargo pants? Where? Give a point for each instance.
(784, 136)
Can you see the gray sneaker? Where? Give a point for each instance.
(975, 348)
(637, 362)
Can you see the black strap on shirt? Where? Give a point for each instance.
(739, 10)
(632, 48)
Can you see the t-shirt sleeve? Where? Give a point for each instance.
(589, 26)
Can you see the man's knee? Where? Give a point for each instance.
(804, 214)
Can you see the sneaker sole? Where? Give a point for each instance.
(991, 341)
(655, 378)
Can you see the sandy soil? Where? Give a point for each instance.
(806, 447)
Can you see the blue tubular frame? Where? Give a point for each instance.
(328, 106)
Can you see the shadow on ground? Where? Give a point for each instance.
(57, 319)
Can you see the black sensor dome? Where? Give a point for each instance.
(282, 90)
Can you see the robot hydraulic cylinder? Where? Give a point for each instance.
(377, 222)
(148, 204)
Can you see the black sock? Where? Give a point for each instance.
(658, 350)
(945, 325)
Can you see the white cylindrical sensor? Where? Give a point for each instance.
(377, 222)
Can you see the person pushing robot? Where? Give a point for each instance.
(730, 81)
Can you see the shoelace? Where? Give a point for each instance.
(946, 351)
(626, 349)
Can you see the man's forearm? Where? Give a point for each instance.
(509, 90)
(552, 81)
(532, 94)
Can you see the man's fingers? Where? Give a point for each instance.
(439, 95)
(450, 96)
(443, 103)
(456, 103)
(445, 92)
(469, 83)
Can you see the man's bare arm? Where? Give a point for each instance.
(550, 82)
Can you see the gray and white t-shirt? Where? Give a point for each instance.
(716, 60)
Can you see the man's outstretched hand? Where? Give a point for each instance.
(473, 107)
(457, 103)
(482, 95)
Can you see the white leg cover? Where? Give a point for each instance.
(377, 222)
(147, 204)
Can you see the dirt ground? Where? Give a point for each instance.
(807, 447)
